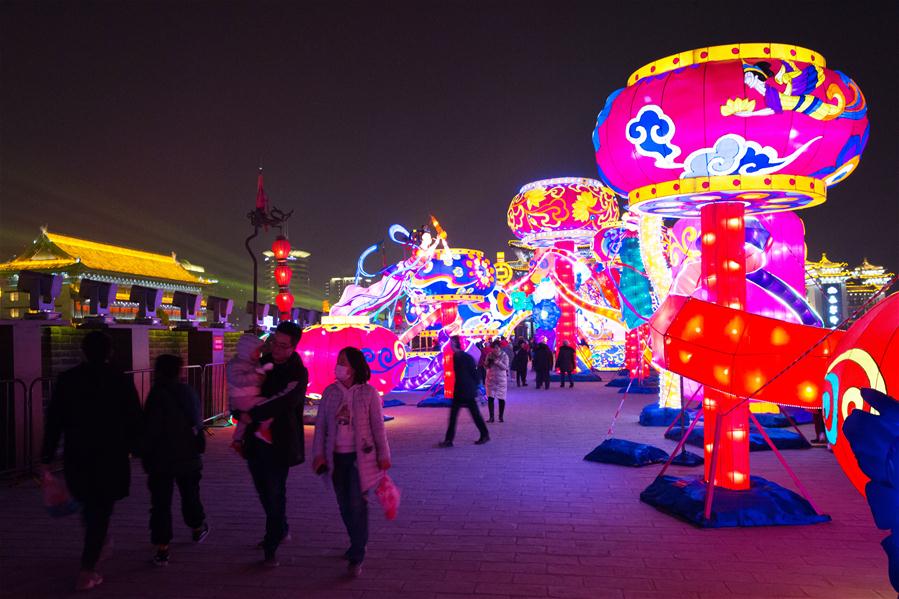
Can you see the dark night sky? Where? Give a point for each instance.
(142, 124)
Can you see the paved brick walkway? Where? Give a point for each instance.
(522, 516)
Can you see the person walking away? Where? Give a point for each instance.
(96, 410)
(171, 449)
(285, 389)
(465, 392)
(350, 436)
(497, 379)
(484, 348)
(565, 360)
(520, 364)
(543, 363)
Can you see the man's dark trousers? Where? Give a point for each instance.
(269, 472)
(472, 405)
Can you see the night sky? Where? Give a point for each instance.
(142, 124)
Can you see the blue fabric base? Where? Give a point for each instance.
(618, 381)
(773, 420)
(626, 453)
(392, 403)
(764, 504)
(435, 402)
(687, 458)
(577, 377)
(638, 389)
(653, 415)
(782, 439)
(798, 415)
(388, 418)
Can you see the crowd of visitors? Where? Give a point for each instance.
(95, 411)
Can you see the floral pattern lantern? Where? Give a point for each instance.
(555, 216)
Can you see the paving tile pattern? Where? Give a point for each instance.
(520, 517)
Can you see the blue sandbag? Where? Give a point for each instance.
(782, 439)
(392, 403)
(638, 389)
(765, 503)
(773, 420)
(798, 415)
(626, 453)
(618, 381)
(653, 415)
(435, 402)
(687, 458)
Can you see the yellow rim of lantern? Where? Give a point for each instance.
(815, 189)
(750, 51)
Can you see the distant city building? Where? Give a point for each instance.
(335, 285)
(835, 291)
(76, 259)
(300, 281)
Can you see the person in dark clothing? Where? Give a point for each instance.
(520, 364)
(543, 363)
(465, 392)
(96, 409)
(285, 387)
(171, 449)
(565, 360)
(484, 348)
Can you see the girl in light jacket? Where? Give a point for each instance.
(350, 436)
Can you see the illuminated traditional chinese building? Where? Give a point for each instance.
(836, 291)
(76, 259)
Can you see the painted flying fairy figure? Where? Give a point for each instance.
(798, 86)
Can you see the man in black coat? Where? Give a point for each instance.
(465, 393)
(565, 361)
(285, 386)
(171, 452)
(95, 407)
(543, 363)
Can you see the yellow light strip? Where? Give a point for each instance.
(749, 51)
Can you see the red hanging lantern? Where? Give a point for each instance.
(282, 275)
(284, 301)
(281, 248)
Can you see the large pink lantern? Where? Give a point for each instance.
(321, 344)
(763, 124)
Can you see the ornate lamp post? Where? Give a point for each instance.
(263, 217)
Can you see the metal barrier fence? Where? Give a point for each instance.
(17, 429)
(15, 442)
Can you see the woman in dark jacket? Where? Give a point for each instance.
(173, 442)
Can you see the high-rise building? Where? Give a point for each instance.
(300, 281)
(335, 285)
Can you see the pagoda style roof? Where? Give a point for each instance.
(52, 251)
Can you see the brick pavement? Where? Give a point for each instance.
(523, 516)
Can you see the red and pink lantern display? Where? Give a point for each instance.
(321, 344)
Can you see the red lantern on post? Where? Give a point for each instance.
(282, 275)
(281, 248)
(284, 299)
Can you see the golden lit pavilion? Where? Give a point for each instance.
(77, 259)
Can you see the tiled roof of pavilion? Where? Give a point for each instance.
(54, 251)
